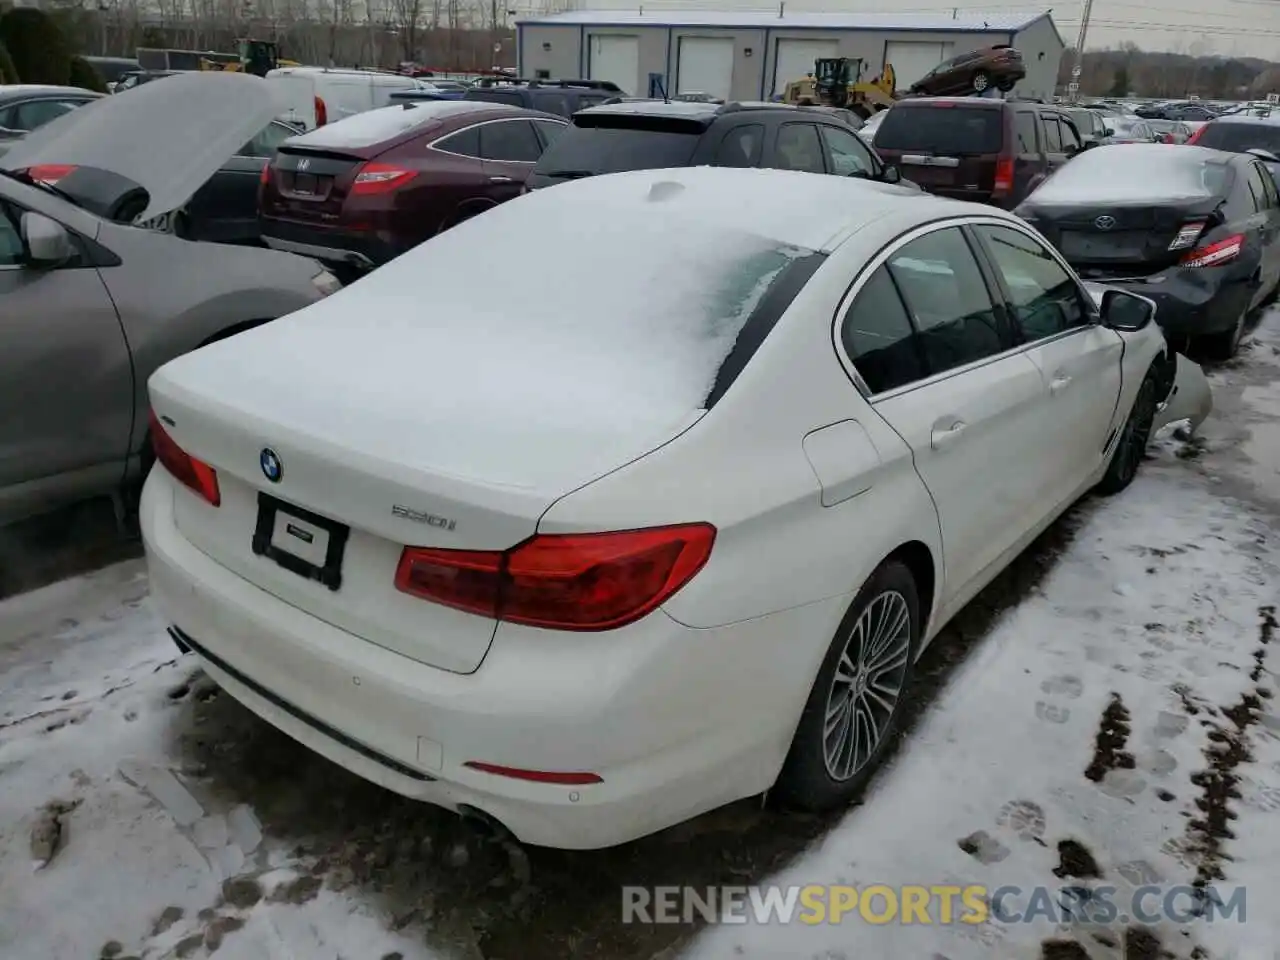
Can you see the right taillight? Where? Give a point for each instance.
(322, 112)
(1004, 177)
(194, 474)
(265, 178)
(380, 178)
(1217, 253)
(1195, 137)
(581, 581)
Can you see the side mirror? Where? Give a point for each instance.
(47, 243)
(1108, 132)
(890, 174)
(1126, 312)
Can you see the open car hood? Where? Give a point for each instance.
(169, 138)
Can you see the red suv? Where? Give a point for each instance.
(362, 191)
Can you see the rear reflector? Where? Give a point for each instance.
(1215, 254)
(590, 581)
(1188, 234)
(537, 776)
(1004, 177)
(380, 178)
(50, 173)
(194, 474)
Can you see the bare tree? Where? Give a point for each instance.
(408, 16)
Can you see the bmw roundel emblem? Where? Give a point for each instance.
(272, 468)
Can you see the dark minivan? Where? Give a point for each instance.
(989, 151)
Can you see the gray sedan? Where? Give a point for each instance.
(91, 304)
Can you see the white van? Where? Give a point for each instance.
(314, 96)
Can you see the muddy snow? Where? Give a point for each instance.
(1104, 717)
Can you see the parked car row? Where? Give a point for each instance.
(327, 503)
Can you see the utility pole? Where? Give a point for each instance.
(1077, 68)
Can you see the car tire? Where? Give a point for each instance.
(828, 766)
(1131, 445)
(1004, 86)
(981, 81)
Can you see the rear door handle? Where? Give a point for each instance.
(942, 439)
(1059, 383)
(501, 180)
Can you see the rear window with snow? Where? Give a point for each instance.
(954, 130)
(376, 126)
(637, 330)
(1136, 173)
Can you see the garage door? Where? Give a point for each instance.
(794, 59)
(615, 57)
(912, 60)
(705, 65)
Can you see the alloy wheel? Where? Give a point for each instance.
(980, 82)
(867, 685)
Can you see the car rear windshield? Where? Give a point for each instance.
(944, 130)
(1238, 137)
(616, 149)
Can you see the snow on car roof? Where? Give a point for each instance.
(384, 123)
(1134, 173)
(667, 266)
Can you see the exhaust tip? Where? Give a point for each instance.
(487, 823)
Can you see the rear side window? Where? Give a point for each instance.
(615, 149)
(1052, 136)
(1024, 128)
(548, 130)
(878, 336)
(948, 300)
(1258, 187)
(36, 113)
(1070, 139)
(742, 146)
(959, 130)
(1240, 137)
(465, 143)
(512, 141)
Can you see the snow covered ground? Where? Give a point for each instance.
(143, 814)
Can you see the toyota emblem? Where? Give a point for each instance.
(1105, 222)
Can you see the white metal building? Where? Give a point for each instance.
(753, 55)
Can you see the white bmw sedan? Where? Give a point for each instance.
(638, 495)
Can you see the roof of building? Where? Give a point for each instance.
(960, 22)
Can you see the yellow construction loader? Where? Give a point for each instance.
(255, 56)
(837, 82)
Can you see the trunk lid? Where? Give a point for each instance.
(169, 138)
(1122, 239)
(948, 147)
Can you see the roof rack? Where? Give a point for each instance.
(534, 82)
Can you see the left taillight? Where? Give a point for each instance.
(50, 173)
(588, 581)
(196, 475)
(265, 177)
(1004, 177)
(1216, 254)
(380, 178)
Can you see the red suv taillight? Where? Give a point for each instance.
(322, 112)
(1215, 254)
(1196, 136)
(1004, 177)
(194, 474)
(380, 178)
(581, 581)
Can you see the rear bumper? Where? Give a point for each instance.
(1193, 302)
(676, 721)
(363, 251)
